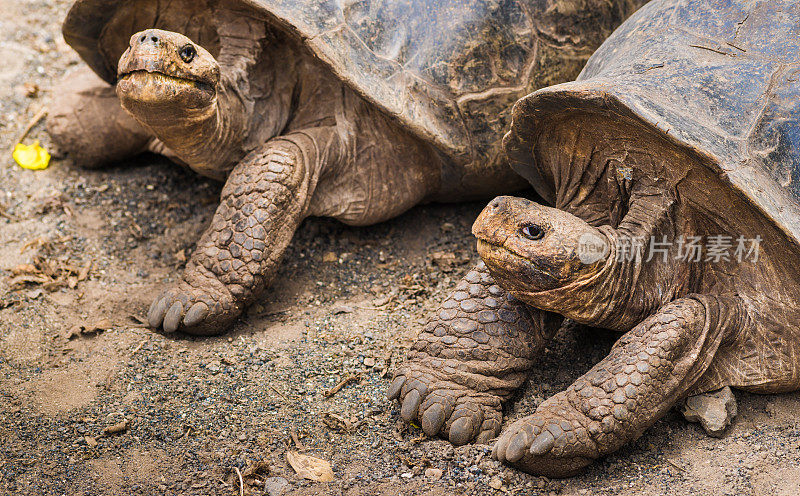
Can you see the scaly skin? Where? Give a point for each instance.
(469, 359)
(267, 193)
(649, 369)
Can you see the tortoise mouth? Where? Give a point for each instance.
(159, 77)
(492, 248)
(516, 271)
(502, 259)
(499, 252)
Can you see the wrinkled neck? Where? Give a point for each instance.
(601, 300)
(631, 285)
(202, 137)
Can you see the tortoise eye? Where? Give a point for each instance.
(187, 53)
(532, 232)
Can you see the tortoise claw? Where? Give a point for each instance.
(449, 410)
(196, 314)
(396, 387)
(157, 311)
(433, 419)
(462, 431)
(173, 317)
(193, 310)
(542, 444)
(517, 447)
(410, 405)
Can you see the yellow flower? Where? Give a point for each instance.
(32, 157)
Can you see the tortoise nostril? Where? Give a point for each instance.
(149, 37)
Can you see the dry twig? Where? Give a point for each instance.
(35, 120)
(279, 393)
(241, 482)
(344, 382)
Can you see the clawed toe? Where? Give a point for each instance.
(155, 316)
(410, 405)
(433, 419)
(196, 314)
(397, 385)
(542, 444)
(173, 317)
(462, 431)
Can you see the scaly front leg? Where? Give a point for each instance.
(473, 354)
(264, 199)
(649, 369)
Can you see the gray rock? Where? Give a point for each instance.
(715, 411)
(276, 486)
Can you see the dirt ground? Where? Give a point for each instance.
(76, 360)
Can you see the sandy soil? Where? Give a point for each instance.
(75, 359)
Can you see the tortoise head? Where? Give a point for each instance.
(530, 248)
(164, 74)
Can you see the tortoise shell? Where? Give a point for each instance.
(719, 79)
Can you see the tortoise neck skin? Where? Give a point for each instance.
(201, 109)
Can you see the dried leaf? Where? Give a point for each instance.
(342, 309)
(83, 274)
(101, 325)
(23, 279)
(24, 269)
(256, 467)
(336, 422)
(31, 89)
(309, 467)
(73, 332)
(87, 330)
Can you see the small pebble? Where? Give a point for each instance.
(214, 367)
(276, 486)
(433, 473)
(342, 309)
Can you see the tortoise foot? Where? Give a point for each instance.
(445, 408)
(553, 442)
(200, 304)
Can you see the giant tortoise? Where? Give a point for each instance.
(356, 110)
(671, 168)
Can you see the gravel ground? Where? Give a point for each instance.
(92, 403)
